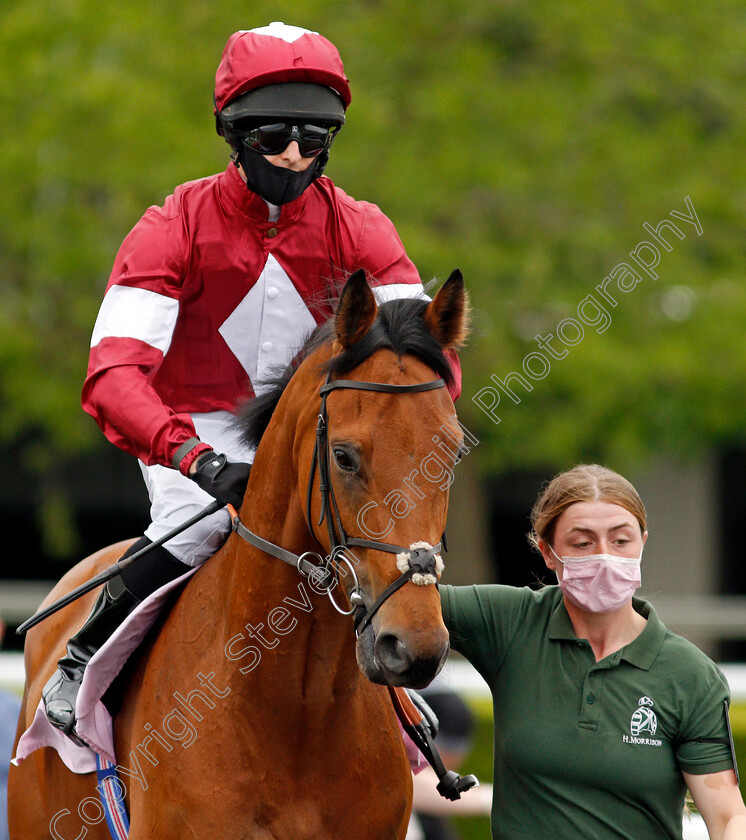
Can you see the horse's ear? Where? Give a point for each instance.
(356, 310)
(447, 315)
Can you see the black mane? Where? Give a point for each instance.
(399, 326)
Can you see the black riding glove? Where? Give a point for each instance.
(225, 481)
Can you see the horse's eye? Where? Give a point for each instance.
(344, 459)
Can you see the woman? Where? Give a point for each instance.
(603, 718)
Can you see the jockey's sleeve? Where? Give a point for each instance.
(132, 333)
(147, 428)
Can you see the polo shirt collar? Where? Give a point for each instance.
(641, 652)
(234, 189)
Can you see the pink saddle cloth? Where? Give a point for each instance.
(93, 719)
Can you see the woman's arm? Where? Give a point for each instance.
(719, 800)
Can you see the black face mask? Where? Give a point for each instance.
(276, 184)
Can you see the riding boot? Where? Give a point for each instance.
(116, 601)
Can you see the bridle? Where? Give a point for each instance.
(421, 560)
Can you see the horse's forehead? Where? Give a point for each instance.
(397, 421)
(369, 416)
(387, 366)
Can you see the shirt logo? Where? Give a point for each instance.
(643, 725)
(643, 718)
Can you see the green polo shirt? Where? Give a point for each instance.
(588, 750)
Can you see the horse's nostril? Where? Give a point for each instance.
(392, 653)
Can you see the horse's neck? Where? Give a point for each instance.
(278, 611)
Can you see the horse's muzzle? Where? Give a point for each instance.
(387, 659)
(401, 667)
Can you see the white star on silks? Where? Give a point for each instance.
(269, 325)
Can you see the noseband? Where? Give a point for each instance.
(419, 559)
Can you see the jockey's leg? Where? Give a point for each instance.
(174, 499)
(115, 602)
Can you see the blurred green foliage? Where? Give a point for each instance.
(526, 143)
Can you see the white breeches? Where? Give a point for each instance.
(174, 498)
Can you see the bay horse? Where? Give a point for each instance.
(251, 711)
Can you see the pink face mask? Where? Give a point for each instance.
(599, 583)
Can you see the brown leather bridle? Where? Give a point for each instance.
(327, 570)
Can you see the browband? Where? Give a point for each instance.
(381, 386)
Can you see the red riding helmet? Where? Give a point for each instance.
(257, 65)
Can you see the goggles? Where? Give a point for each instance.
(273, 139)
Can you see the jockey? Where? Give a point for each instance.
(213, 290)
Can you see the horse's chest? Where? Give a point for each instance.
(338, 812)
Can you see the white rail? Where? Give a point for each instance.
(20, 598)
(713, 616)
